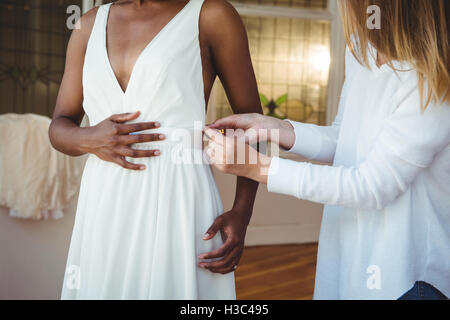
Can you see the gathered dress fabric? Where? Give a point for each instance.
(138, 234)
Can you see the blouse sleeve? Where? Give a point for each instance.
(319, 142)
(408, 143)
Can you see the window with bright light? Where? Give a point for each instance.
(291, 57)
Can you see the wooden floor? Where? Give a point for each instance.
(277, 272)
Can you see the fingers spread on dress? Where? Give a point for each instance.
(133, 153)
(140, 138)
(136, 127)
(124, 117)
(128, 165)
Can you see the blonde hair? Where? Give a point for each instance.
(413, 31)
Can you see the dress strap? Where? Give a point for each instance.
(97, 29)
(197, 8)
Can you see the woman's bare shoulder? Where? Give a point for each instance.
(219, 20)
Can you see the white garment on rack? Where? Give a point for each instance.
(36, 181)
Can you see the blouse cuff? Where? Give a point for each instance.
(307, 140)
(283, 176)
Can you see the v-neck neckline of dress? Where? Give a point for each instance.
(158, 35)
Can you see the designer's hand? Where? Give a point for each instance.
(110, 140)
(233, 227)
(258, 128)
(231, 155)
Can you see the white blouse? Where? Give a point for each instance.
(386, 222)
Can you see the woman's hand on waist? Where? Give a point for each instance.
(111, 140)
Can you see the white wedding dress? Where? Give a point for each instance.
(138, 234)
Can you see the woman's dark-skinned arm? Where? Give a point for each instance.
(224, 41)
(65, 132)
